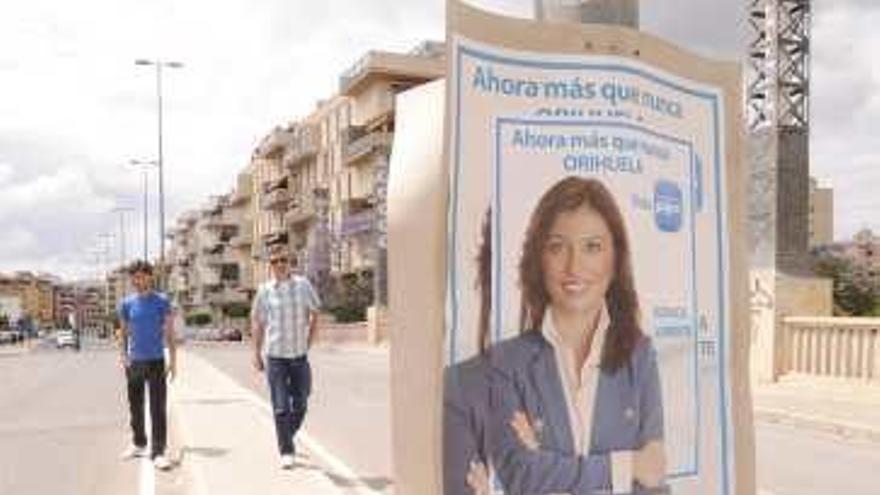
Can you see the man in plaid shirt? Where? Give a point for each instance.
(283, 321)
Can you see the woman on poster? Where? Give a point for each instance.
(575, 399)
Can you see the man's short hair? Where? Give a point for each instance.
(140, 266)
(282, 252)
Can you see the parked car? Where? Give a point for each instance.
(230, 334)
(10, 336)
(66, 338)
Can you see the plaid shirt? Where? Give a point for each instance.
(282, 308)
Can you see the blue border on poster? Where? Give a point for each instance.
(501, 122)
(459, 52)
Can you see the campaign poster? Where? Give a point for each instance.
(587, 179)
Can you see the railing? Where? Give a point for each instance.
(276, 199)
(356, 223)
(226, 296)
(306, 205)
(307, 146)
(223, 258)
(359, 147)
(241, 241)
(219, 222)
(833, 347)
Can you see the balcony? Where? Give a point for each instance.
(220, 222)
(413, 68)
(358, 144)
(275, 200)
(306, 146)
(357, 223)
(239, 198)
(226, 295)
(242, 241)
(273, 238)
(221, 258)
(209, 279)
(302, 209)
(273, 145)
(305, 207)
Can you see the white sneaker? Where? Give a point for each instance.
(162, 463)
(134, 451)
(287, 461)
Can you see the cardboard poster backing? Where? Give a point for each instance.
(418, 251)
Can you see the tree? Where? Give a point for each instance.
(856, 285)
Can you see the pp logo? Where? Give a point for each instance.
(667, 206)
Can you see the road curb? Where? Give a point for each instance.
(831, 426)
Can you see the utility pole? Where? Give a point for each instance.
(122, 210)
(159, 65)
(144, 165)
(616, 12)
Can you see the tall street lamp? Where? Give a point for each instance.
(159, 65)
(105, 241)
(122, 210)
(145, 166)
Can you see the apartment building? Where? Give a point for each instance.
(821, 214)
(242, 243)
(181, 256)
(332, 183)
(270, 184)
(217, 267)
(211, 256)
(371, 85)
(315, 187)
(34, 292)
(64, 302)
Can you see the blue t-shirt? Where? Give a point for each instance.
(144, 315)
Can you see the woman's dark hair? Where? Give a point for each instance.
(621, 299)
(484, 282)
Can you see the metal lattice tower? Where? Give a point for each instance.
(778, 91)
(779, 119)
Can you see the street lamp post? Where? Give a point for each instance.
(145, 165)
(159, 65)
(616, 12)
(105, 250)
(122, 210)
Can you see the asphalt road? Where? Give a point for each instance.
(64, 423)
(799, 461)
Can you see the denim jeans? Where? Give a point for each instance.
(290, 383)
(152, 374)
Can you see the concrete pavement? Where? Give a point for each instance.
(227, 440)
(63, 425)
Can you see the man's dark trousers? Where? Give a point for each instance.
(290, 383)
(152, 374)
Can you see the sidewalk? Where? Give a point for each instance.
(18, 347)
(227, 440)
(847, 409)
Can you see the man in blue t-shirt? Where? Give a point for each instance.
(146, 325)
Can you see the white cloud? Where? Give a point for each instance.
(5, 172)
(16, 242)
(75, 108)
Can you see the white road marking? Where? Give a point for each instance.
(147, 478)
(148, 471)
(337, 465)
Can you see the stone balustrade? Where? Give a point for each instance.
(833, 347)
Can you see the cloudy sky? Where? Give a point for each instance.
(74, 109)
